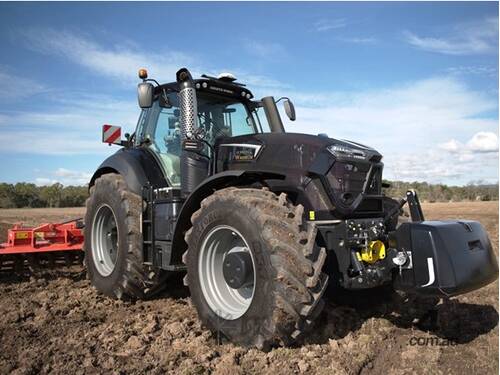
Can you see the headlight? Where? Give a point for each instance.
(346, 151)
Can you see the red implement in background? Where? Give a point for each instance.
(45, 238)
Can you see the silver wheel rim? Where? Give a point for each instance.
(226, 302)
(104, 240)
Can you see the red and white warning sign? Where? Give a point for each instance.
(111, 134)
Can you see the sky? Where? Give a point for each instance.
(416, 81)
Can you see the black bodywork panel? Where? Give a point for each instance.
(136, 165)
(332, 186)
(448, 257)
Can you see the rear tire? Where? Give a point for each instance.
(288, 283)
(118, 273)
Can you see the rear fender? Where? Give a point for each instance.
(137, 166)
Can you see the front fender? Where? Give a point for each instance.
(216, 182)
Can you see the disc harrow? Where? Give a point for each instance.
(49, 245)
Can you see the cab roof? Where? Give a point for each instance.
(213, 85)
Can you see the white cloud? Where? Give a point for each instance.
(489, 71)
(444, 97)
(358, 40)
(71, 125)
(65, 177)
(44, 181)
(404, 123)
(426, 166)
(437, 167)
(471, 38)
(434, 104)
(476, 159)
(45, 142)
(451, 146)
(480, 142)
(259, 83)
(324, 25)
(329, 24)
(17, 87)
(62, 172)
(265, 50)
(120, 61)
(72, 122)
(483, 142)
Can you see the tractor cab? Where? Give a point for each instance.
(224, 107)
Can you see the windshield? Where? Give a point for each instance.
(220, 116)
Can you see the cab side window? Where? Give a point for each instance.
(222, 117)
(239, 120)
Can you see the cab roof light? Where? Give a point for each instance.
(143, 73)
(226, 77)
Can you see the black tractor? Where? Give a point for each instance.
(211, 186)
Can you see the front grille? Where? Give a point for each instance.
(347, 180)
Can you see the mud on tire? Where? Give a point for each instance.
(289, 281)
(129, 279)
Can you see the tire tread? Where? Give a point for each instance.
(296, 259)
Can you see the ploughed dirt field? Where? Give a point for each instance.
(58, 323)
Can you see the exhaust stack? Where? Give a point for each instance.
(188, 104)
(194, 167)
(272, 115)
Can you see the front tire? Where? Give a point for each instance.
(113, 242)
(284, 290)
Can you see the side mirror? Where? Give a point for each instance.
(289, 109)
(145, 94)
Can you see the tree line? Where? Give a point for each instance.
(23, 194)
(444, 193)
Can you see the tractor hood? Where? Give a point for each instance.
(288, 152)
(349, 173)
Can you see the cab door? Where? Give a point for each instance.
(162, 136)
